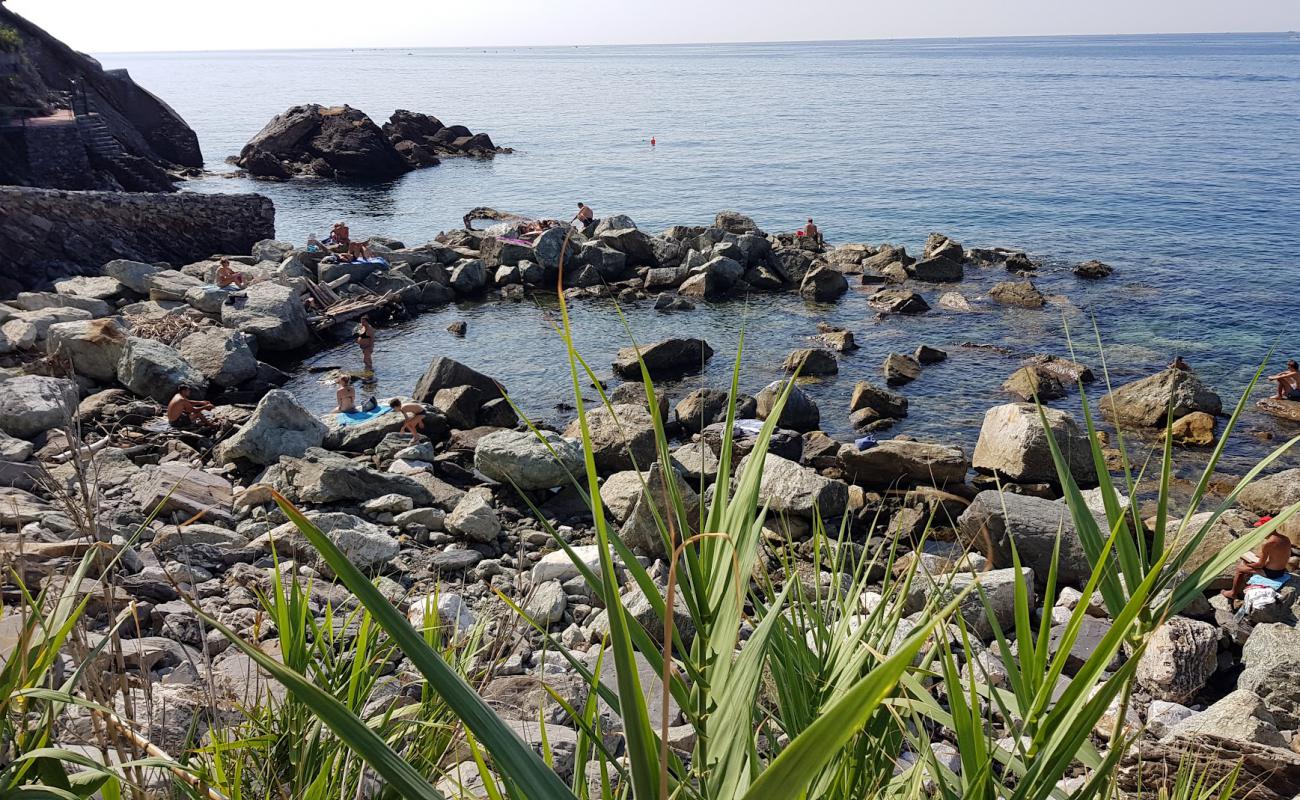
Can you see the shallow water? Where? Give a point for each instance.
(1174, 158)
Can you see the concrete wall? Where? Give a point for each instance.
(48, 234)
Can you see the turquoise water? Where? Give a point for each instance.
(1174, 158)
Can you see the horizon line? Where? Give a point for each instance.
(754, 42)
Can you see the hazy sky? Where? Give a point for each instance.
(133, 25)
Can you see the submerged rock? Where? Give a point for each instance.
(667, 358)
(1017, 293)
(811, 362)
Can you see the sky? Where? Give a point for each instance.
(101, 26)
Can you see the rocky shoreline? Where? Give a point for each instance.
(90, 366)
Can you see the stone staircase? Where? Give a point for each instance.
(101, 144)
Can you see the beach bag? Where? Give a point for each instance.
(369, 404)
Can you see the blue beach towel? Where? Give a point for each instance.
(358, 417)
(1275, 584)
(865, 442)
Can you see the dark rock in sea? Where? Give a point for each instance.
(447, 373)
(812, 362)
(1093, 270)
(1032, 382)
(672, 302)
(1019, 262)
(929, 355)
(881, 401)
(936, 269)
(458, 328)
(900, 369)
(662, 359)
(1017, 293)
(898, 301)
(1065, 370)
(800, 413)
(823, 283)
(937, 245)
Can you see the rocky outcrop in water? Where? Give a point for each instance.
(343, 142)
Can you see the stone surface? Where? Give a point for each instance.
(787, 487)
(1013, 444)
(280, 426)
(994, 520)
(271, 313)
(447, 373)
(1022, 294)
(824, 284)
(1034, 383)
(324, 477)
(153, 369)
(1271, 493)
(799, 413)
(1240, 715)
(663, 359)
(641, 531)
(899, 369)
(1194, 430)
(1171, 392)
(521, 459)
(882, 401)
(93, 346)
(32, 404)
(621, 436)
(899, 461)
(474, 519)
(811, 362)
(222, 356)
(1271, 657)
(366, 545)
(1179, 659)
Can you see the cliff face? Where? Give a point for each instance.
(131, 138)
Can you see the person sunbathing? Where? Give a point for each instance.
(186, 414)
(1288, 382)
(1274, 553)
(340, 238)
(346, 396)
(227, 276)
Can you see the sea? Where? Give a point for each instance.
(1175, 159)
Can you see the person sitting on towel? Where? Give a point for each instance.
(340, 237)
(227, 276)
(1288, 382)
(1274, 553)
(186, 414)
(346, 396)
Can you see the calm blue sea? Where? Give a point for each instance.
(1174, 158)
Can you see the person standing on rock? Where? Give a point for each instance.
(1288, 382)
(812, 233)
(585, 216)
(1274, 554)
(414, 414)
(366, 341)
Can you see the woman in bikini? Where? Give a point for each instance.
(366, 341)
(346, 396)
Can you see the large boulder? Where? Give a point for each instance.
(1171, 392)
(1031, 383)
(620, 232)
(881, 401)
(280, 426)
(324, 477)
(666, 358)
(641, 531)
(93, 346)
(898, 301)
(1271, 493)
(134, 275)
(24, 330)
(1013, 444)
(1017, 293)
(622, 437)
(1271, 657)
(222, 355)
(824, 284)
(152, 369)
(936, 269)
(800, 413)
(1240, 716)
(811, 362)
(521, 459)
(1180, 657)
(473, 518)
(365, 544)
(446, 373)
(271, 313)
(37, 301)
(339, 141)
(788, 487)
(901, 461)
(32, 404)
(994, 520)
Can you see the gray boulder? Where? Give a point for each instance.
(447, 373)
(150, 368)
(271, 313)
(366, 545)
(95, 287)
(1171, 392)
(790, 488)
(1013, 444)
(1239, 716)
(1032, 523)
(800, 413)
(1271, 493)
(882, 401)
(223, 356)
(936, 269)
(666, 358)
(1017, 293)
(324, 477)
(134, 275)
(469, 276)
(812, 362)
(32, 404)
(474, 519)
(824, 284)
(899, 461)
(280, 426)
(1180, 657)
(36, 301)
(1272, 660)
(93, 346)
(621, 436)
(641, 531)
(521, 459)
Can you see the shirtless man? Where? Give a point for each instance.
(340, 237)
(585, 216)
(1274, 553)
(1288, 382)
(186, 414)
(812, 233)
(346, 396)
(226, 276)
(414, 414)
